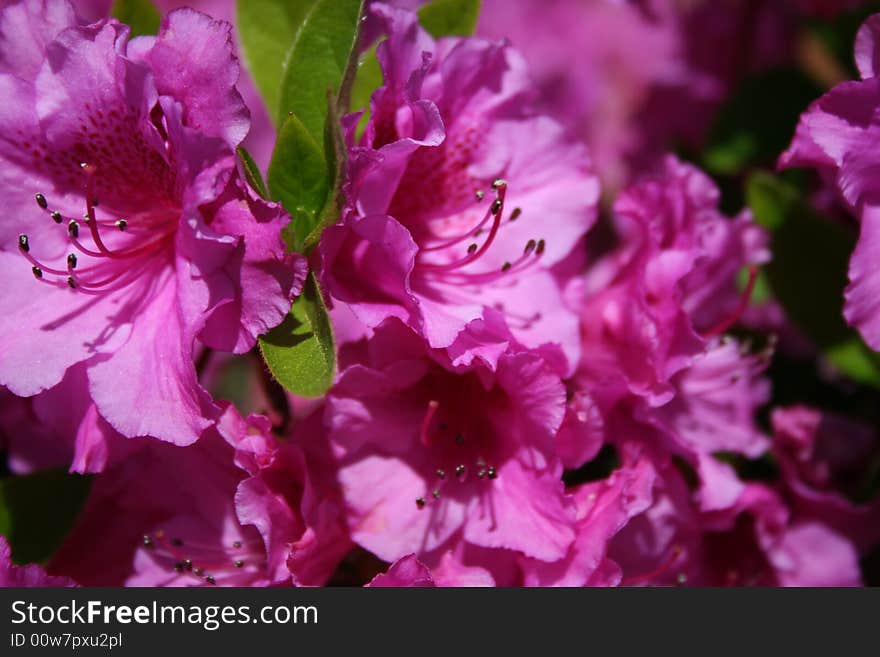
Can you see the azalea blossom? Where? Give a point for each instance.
(256, 515)
(743, 535)
(429, 457)
(453, 189)
(130, 235)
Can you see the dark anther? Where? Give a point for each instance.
(436, 494)
(540, 248)
(440, 473)
(56, 217)
(73, 229)
(239, 563)
(210, 579)
(38, 273)
(198, 572)
(480, 194)
(459, 470)
(443, 426)
(41, 201)
(87, 220)
(23, 243)
(459, 439)
(122, 224)
(95, 202)
(505, 266)
(148, 541)
(236, 544)
(498, 183)
(472, 248)
(515, 214)
(491, 472)
(496, 206)
(481, 473)
(188, 564)
(71, 260)
(179, 566)
(530, 246)
(71, 282)
(420, 502)
(176, 542)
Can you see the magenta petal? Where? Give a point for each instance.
(193, 61)
(811, 554)
(525, 511)
(866, 48)
(862, 308)
(53, 328)
(160, 384)
(407, 571)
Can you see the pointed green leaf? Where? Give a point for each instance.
(37, 511)
(299, 178)
(300, 352)
(442, 18)
(252, 173)
(367, 80)
(267, 29)
(141, 15)
(321, 57)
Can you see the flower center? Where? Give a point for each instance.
(106, 253)
(232, 564)
(460, 452)
(440, 257)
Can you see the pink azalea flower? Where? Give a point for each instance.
(184, 532)
(290, 496)
(460, 200)
(245, 511)
(29, 575)
(819, 454)
(746, 537)
(653, 364)
(673, 287)
(142, 239)
(431, 459)
(837, 135)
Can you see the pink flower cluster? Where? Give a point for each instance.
(528, 393)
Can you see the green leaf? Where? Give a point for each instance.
(37, 511)
(323, 54)
(252, 173)
(267, 29)
(812, 295)
(300, 352)
(442, 18)
(367, 80)
(141, 15)
(757, 123)
(299, 178)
